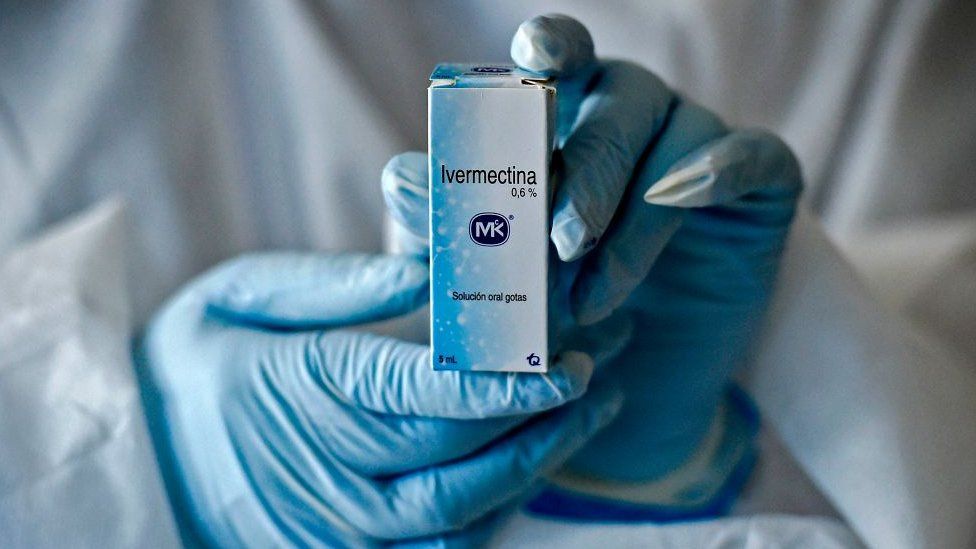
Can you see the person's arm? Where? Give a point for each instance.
(880, 417)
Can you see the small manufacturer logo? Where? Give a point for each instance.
(534, 360)
(489, 229)
(492, 70)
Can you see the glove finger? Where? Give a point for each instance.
(451, 496)
(640, 231)
(559, 46)
(749, 170)
(617, 120)
(750, 201)
(749, 167)
(384, 444)
(476, 534)
(302, 489)
(404, 242)
(406, 193)
(379, 445)
(553, 45)
(373, 444)
(388, 376)
(300, 291)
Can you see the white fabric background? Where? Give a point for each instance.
(232, 126)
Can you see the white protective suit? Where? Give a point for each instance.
(221, 127)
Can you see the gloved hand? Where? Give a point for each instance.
(276, 426)
(665, 215)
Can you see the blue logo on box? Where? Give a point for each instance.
(492, 70)
(489, 229)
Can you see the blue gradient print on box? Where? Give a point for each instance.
(490, 142)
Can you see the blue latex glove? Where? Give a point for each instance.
(277, 426)
(668, 217)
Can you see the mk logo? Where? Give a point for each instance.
(489, 229)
